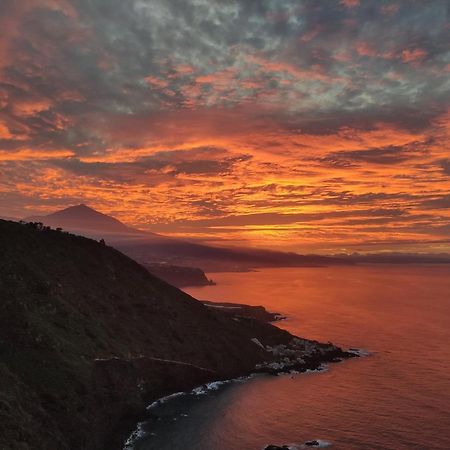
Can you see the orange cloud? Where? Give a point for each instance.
(299, 130)
(350, 3)
(4, 132)
(365, 49)
(28, 154)
(413, 55)
(315, 73)
(157, 82)
(184, 69)
(31, 107)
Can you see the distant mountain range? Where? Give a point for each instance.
(152, 249)
(149, 248)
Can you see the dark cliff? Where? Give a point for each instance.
(88, 337)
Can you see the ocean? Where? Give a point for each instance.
(398, 397)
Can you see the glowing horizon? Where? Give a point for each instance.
(302, 125)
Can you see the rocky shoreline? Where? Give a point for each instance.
(297, 356)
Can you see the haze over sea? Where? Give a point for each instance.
(397, 398)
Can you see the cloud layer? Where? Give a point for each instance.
(311, 125)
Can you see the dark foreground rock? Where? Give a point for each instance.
(88, 338)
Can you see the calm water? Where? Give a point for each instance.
(398, 398)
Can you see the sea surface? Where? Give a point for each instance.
(396, 398)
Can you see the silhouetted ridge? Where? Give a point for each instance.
(89, 337)
(82, 217)
(153, 249)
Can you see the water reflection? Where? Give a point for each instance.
(396, 399)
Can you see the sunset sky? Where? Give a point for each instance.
(309, 125)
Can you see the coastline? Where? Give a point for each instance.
(315, 359)
(241, 310)
(104, 339)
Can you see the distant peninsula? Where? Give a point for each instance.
(179, 276)
(239, 310)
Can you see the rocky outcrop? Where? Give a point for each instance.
(239, 310)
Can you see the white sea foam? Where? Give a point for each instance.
(359, 351)
(321, 368)
(162, 400)
(213, 386)
(203, 390)
(322, 444)
(135, 435)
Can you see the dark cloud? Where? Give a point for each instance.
(351, 198)
(157, 168)
(383, 155)
(90, 58)
(442, 202)
(445, 164)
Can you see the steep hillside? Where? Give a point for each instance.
(88, 337)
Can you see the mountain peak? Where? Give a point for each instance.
(78, 209)
(80, 217)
